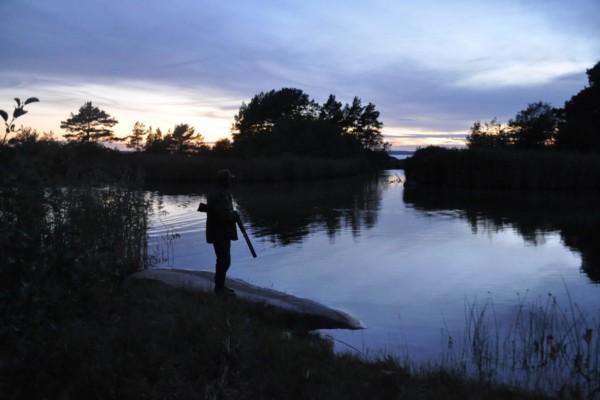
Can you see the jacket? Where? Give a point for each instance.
(220, 217)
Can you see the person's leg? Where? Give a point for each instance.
(222, 251)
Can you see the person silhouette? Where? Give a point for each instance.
(221, 227)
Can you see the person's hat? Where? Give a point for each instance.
(224, 175)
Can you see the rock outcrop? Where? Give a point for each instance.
(316, 315)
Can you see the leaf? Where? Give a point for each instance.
(18, 101)
(32, 100)
(4, 115)
(18, 112)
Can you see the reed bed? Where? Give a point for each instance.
(59, 246)
(546, 346)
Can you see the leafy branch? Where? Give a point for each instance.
(18, 111)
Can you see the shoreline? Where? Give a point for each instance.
(304, 312)
(147, 340)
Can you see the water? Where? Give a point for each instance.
(405, 261)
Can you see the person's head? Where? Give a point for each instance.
(224, 178)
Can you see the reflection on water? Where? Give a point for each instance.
(534, 215)
(401, 260)
(287, 213)
(283, 213)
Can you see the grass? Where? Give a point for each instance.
(59, 234)
(546, 347)
(149, 341)
(504, 169)
(59, 247)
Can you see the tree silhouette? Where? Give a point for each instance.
(266, 109)
(25, 136)
(136, 139)
(331, 110)
(222, 147)
(288, 121)
(155, 143)
(89, 124)
(351, 116)
(363, 122)
(535, 126)
(18, 111)
(490, 134)
(184, 139)
(580, 128)
(368, 129)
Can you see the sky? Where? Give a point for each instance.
(431, 67)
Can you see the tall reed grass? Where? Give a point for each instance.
(59, 245)
(546, 346)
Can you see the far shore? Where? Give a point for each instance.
(68, 163)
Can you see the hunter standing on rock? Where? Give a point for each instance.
(220, 227)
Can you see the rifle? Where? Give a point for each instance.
(240, 225)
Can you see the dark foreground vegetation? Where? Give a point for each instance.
(542, 147)
(151, 342)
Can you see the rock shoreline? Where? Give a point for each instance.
(315, 314)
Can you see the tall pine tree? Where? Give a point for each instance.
(89, 124)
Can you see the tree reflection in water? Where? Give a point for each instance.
(576, 217)
(286, 213)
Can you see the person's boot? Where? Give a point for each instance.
(229, 291)
(224, 291)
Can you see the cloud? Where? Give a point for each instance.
(520, 74)
(427, 65)
(156, 105)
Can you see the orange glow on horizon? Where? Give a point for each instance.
(210, 112)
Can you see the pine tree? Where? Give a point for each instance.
(89, 124)
(368, 129)
(331, 110)
(351, 115)
(184, 139)
(136, 139)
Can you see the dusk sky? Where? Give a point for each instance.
(430, 67)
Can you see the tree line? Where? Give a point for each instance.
(289, 121)
(285, 121)
(574, 127)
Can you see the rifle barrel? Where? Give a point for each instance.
(245, 234)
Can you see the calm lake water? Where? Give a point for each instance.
(403, 260)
